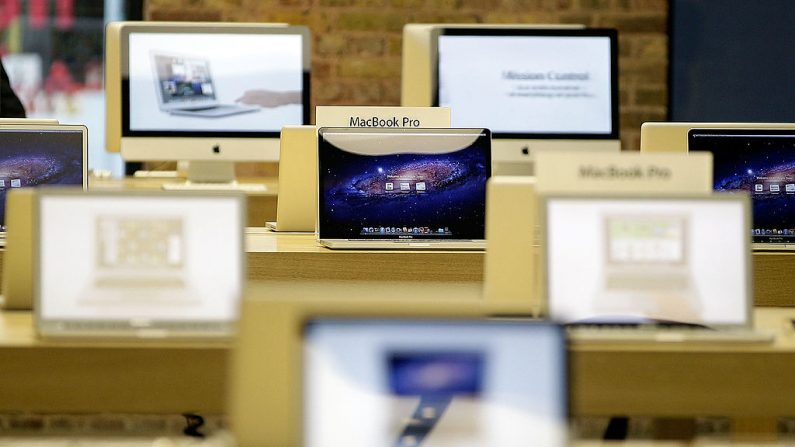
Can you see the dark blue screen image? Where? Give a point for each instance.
(761, 162)
(436, 373)
(38, 157)
(412, 194)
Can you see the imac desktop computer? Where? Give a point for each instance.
(536, 88)
(211, 94)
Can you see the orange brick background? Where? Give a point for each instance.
(357, 43)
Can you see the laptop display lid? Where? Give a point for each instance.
(138, 264)
(434, 382)
(183, 81)
(762, 163)
(647, 259)
(35, 155)
(403, 184)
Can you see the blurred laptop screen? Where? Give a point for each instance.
(442, 383)
(139, 259)
(670, 259)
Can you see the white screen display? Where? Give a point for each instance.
(477, 384)
(677, 260)
(140, 258)
(182, 82)
(527, 84)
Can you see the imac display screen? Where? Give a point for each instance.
(403, 185)
(761, 163)
(529, 82)
(233, 82)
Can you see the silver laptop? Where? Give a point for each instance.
(375, 382)
(649, 268)
(185, 87)
(403, 188)
(40, 154)
(137, 265)
(759, 162)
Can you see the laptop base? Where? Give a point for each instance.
(336, 244)
(671, 335)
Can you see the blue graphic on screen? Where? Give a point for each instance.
(762, 164)
(436, 373)
(404, 195)
(33, 158)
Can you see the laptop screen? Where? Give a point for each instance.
(442, 383)
(761, 162)
(140, 261)
(37, 156)
(660, 259)
(403, 183)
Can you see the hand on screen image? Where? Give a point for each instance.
(269, 98)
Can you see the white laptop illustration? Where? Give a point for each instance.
(649, 268)
(185, 86)
(435, 383)
(403, 188)
(137, 265)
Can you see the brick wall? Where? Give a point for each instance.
(357, 43)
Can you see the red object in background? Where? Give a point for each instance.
(9, 10)
(64, 14)
(37, 13)
(59, 79)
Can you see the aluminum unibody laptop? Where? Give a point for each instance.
(185, 87)
(760, 162)
(41, 154)
(433, 382)
(137, 265)
(403, 188)
(649, 268)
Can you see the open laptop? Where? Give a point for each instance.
(137, 265)
(649, 268)
(40, 154)
(415, 382)
(403, 188)
(762, 163)
(185, 87)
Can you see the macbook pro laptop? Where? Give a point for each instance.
(760, 162)
(40, 154)
(185, 87)
(403, 188)
(649, 268)
(376, 382)
(137, 265)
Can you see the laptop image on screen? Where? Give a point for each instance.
(185, 87)
(649, 268)
(137, 265)
(762, 163)
(35, 155)
(403, 188)
(428, 382)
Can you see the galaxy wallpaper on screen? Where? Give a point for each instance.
(33, 158)
(404, 195)
(764, 166)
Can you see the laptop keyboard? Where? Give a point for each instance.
(648, 282)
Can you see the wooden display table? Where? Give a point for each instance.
(650, 379)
